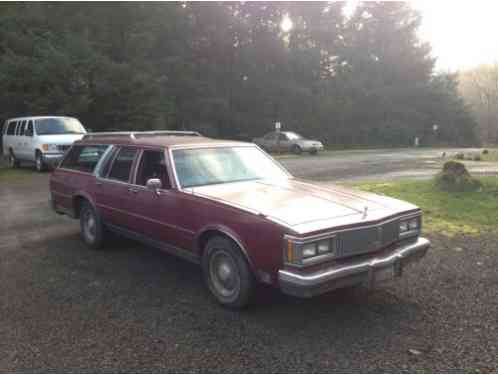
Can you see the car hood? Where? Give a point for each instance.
(59, 139)
(306, 207)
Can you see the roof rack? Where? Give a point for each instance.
(136, 134)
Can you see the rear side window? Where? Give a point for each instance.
(121, 167)
(29, 129)
(11, 129)
(23, 127)
(84, 158)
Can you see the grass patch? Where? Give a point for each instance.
(467, 213)
(492, 155)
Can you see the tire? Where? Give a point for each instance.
(39, 163)
(296, 150)
(226, 273)
(91, 228)
(313, 151)
(13, 162)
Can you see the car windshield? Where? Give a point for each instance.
(293, 136)
(209, 166)
(63, 125)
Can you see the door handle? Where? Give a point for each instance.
(98, 183)
(133, 190)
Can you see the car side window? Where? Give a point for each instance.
(153, 165)
(20, 124)
(29, 129)
(270, 136)
(23, 128)
(11, 130)
(84, 158)
(282, 137)
(121, 167)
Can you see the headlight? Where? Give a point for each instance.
(409, 226)
(47, 147)
(413, 224)
(301, 253)
(403, 226)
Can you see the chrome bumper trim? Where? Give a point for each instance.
(356, 272)
(52, 159)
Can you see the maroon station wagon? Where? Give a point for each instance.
(236, 211)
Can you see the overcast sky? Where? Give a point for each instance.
(463, 33)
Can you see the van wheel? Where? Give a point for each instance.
(226, 273)
(91, 228)
(39, 163)
(13, 162)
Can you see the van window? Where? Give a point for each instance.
(11, 130)
(22, 128)
(19, 126)
(29, 129)
(121, 167)
(84, 158)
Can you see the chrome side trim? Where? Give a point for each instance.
(173, 250)
(145, 218)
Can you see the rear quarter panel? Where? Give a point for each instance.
(65, 184)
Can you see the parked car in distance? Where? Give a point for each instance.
(40, 139)
(288, 142)
(234, 210)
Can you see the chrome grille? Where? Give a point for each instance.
(366, 240)
(63, 148)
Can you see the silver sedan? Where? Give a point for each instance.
(288, 142)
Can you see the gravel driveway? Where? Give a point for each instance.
(64, 308)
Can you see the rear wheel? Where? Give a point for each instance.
(39, 163)
(296, 150)
(92, 230)
(226, 273)
(13, 162)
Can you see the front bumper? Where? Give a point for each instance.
(52, 160)
(366, 271)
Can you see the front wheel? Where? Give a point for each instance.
(226, 273)
(296, 150)
(39, 163)
(92, 230)
(13, 162)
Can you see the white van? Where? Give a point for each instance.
(41, 139)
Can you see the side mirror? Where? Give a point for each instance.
(154, 184)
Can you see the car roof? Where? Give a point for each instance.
(36, 117)
(151, 140)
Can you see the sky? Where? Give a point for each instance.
(463, 33)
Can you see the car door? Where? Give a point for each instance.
(271, 142)
(21, 141)
(284, 144)
(154, 210)
(28, 141)
(113, 191)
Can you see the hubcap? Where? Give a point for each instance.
(12, 161)
(89, 226)
(38, 163)
(224, 274)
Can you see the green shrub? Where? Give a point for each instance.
(455, 177)
(485, 152)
